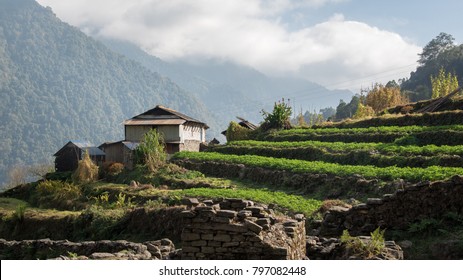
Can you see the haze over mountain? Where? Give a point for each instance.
(232, 90)
(58, 84)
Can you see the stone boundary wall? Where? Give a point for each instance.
(398, 210)
(329, 185)
(238, 229)
(96, 250)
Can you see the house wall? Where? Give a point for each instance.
(67, 160)
(171, 133)
(114, 152)
(135, 133)
(192, 132)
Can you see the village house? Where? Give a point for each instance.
(67, 158)
(180, 133)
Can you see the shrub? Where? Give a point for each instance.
(236, 132)
(279, 118)
(366, 249)
(58, 194)
(363, 111)
(151, 151)
(87, 170)
(111, 168)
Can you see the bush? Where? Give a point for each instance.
(151, 151)
(111, 168)
(87, 170)
(236, 132)
(58, 194)
(367, 249)
(279, 118)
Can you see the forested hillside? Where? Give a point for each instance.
(440, 53)
(57, 84)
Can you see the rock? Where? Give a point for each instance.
(405, 244)
(102, 256)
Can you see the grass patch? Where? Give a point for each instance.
(431, 173)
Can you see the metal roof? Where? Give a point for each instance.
(131, 145)
(84, 146)
(154, 121)
(94, 151)
(158, 114)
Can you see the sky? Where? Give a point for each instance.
(344, 44)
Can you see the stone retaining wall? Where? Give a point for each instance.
(238, 229)
(329, 185)
(97, 250)
(398, 210)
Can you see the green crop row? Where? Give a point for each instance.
(436, 137)
(352, 157)
(379, 129)
(453, 117)
(317, 167)
(341, 147)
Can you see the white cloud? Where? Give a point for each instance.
(249, 32)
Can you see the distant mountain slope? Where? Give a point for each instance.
(231, 89)
(58, 84)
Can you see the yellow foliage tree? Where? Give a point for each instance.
(363, 111)
(443, 84)
(382, 97)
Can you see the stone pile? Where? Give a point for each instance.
(239, 229)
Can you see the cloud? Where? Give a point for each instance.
(249, 32)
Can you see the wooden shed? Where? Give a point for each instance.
(67, 158)
(120, 151)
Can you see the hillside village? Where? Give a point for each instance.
(379, 177)
(316, 191)
(180, 133)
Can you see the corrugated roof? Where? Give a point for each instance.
(131, 145)
(94, 151)
(154, 122)
(83, 145)
(161, 113)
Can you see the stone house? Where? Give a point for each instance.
(181, 132)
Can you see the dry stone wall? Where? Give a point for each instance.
(396, 211)
(329, 185)
(239, 229)
(96, 250)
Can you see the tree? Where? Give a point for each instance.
(363, 111)
(443, 42)
(152, 151)
(279, 118)
(344, 110)
(443, 84)
(328, 112)
(381, 97)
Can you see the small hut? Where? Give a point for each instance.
(120, 151)
(67, 158)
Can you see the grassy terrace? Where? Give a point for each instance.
(409, 135)
(341, 147)
(317, 167)
(380, 129)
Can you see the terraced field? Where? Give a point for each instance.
(387, 154)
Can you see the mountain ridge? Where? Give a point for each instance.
(57, 83)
